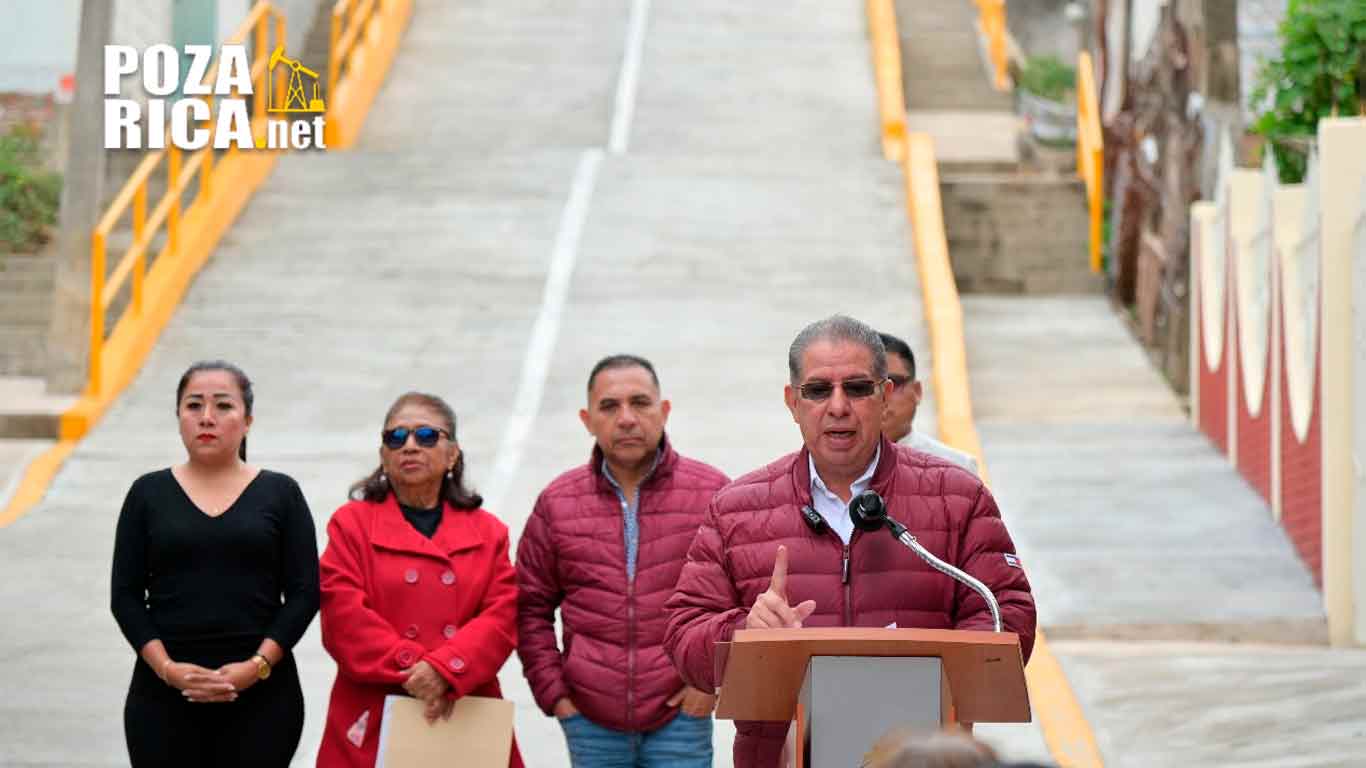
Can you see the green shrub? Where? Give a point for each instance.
(1321, 72)
(29, 195)
(1048, 77)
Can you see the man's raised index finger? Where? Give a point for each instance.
(779, 583)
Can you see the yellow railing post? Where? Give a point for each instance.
(333, 55)
(891, 98)
(991, 15)
(206, 172)
(1097, 201)
(139, 232)
(262, 51)
(1091, 153)
(279, 85)
(96, 311)
(173, 188)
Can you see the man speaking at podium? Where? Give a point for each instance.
(777, 547)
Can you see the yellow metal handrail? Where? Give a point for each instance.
(1090, 151)
(992, 17)
(348, 19)
(891, 99)
(363, 41)
(105, 287)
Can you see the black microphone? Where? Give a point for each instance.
(869, 513)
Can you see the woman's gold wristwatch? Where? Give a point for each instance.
(262, 666)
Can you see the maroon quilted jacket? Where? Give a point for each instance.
(731, 562)
(572, 555)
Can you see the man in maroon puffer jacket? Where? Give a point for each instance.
(793, 513)
(604, 544)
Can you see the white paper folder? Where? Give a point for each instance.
(478, 735)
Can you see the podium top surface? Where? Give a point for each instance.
(764, 668)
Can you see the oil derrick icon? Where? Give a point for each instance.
(294, 100)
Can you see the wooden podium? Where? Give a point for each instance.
(846, 686)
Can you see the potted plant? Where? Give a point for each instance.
(1046, 99)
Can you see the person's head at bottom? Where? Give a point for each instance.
(910, 747)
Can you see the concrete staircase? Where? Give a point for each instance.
(27, 411)
(1014, 224)
(941, 63)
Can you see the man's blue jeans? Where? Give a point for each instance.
(683, 742)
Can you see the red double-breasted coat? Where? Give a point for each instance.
(391, 598)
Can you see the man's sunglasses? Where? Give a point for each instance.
(426, 437)
(854, 389)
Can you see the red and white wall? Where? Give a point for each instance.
(1278, 379)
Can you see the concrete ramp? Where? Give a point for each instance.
(1185, 622)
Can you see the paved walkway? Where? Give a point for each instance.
(1187, 626)
(747, 198)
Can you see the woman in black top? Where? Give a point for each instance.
(215, 579)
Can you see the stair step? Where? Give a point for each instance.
(25, 310)
(22, 351)
(27, 410)
(16, 388)
(14, 262)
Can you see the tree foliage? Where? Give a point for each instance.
(1321, 72)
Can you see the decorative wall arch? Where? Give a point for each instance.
(1300, 298)
(1253, 301)
(1214, 262)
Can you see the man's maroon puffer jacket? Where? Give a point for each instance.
(731, 562)
(573, 555)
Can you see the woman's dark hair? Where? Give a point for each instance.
(243, 384)
(376, 487)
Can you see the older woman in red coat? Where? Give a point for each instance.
(419, 596)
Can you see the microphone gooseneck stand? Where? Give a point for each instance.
(870, 514)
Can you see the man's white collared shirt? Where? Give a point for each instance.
(831, 507)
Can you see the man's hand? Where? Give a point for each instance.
(771, 610)
(564, 709)
(424, 682)
(692, 702)
(199, 684)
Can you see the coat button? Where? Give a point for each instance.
(448, 631)
(405, 658)
(411, 632)
(410, 576)
(448, 578)
(458, 664)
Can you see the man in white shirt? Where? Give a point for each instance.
(902, 404)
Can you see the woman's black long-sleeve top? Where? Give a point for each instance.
(214, 586)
